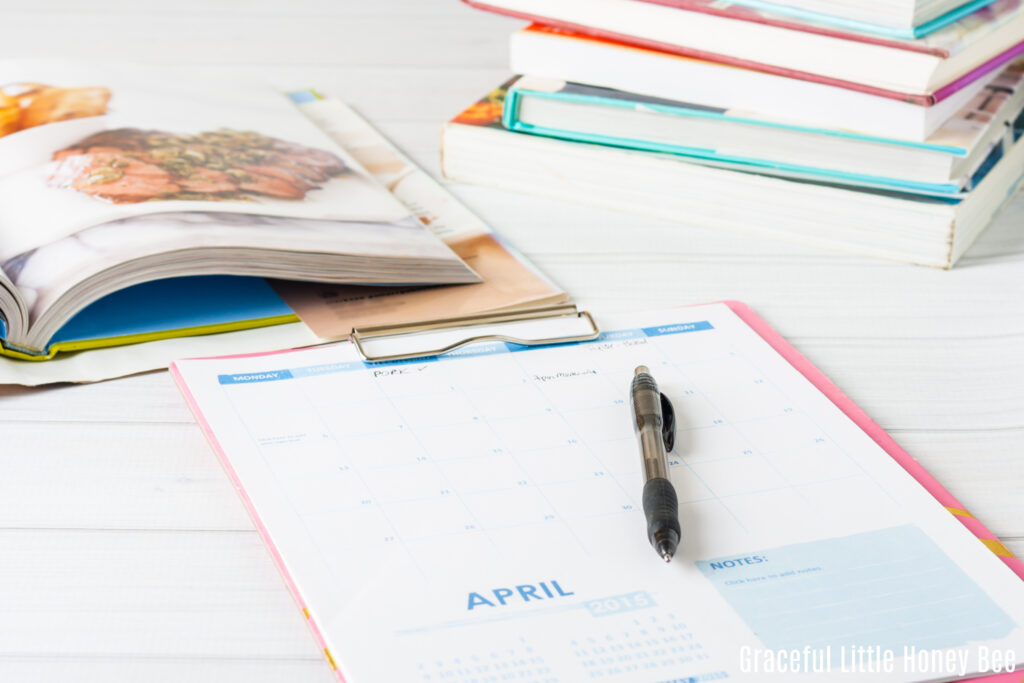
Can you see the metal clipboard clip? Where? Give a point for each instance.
(358, 337)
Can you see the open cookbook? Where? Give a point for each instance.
(136, 206)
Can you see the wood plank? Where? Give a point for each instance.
(415, 97)
(150, 397)
(145, 594)
(115, 476)
(296, 33)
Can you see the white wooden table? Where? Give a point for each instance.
(125, 554)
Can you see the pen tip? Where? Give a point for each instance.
(666, 550)
(641, 369)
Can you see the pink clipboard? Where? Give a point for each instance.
(784, 349)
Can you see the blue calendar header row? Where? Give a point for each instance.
(488, 349)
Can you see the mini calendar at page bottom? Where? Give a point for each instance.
(476, 517)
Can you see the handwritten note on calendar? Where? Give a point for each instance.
(476, 517)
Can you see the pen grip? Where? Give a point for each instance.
(661, 507)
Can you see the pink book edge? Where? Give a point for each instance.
(778, 344)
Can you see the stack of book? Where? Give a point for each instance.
(885, 127)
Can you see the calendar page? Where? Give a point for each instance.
(476, 517)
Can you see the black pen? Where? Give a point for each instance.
(654, 422)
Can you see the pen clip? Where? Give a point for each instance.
(668, 423)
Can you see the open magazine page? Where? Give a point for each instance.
(509, 280)
(46, 274)
(97, 165)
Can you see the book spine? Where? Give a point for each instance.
(975, 74)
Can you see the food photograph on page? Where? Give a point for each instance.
(129, 165)
(135, 147)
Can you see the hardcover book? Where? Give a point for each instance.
(943, 165)
(580, 58)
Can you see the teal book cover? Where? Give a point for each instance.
(961, 136)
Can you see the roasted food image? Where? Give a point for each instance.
(27, 105)
(129, 165)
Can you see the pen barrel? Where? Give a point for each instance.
(646, 400)
(652, 447)
(662, 510)
(648, 422)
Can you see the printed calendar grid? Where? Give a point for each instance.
(528, 374)
(349, 470)
(325, 561)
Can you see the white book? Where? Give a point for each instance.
(912, 67)
(569, 57)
